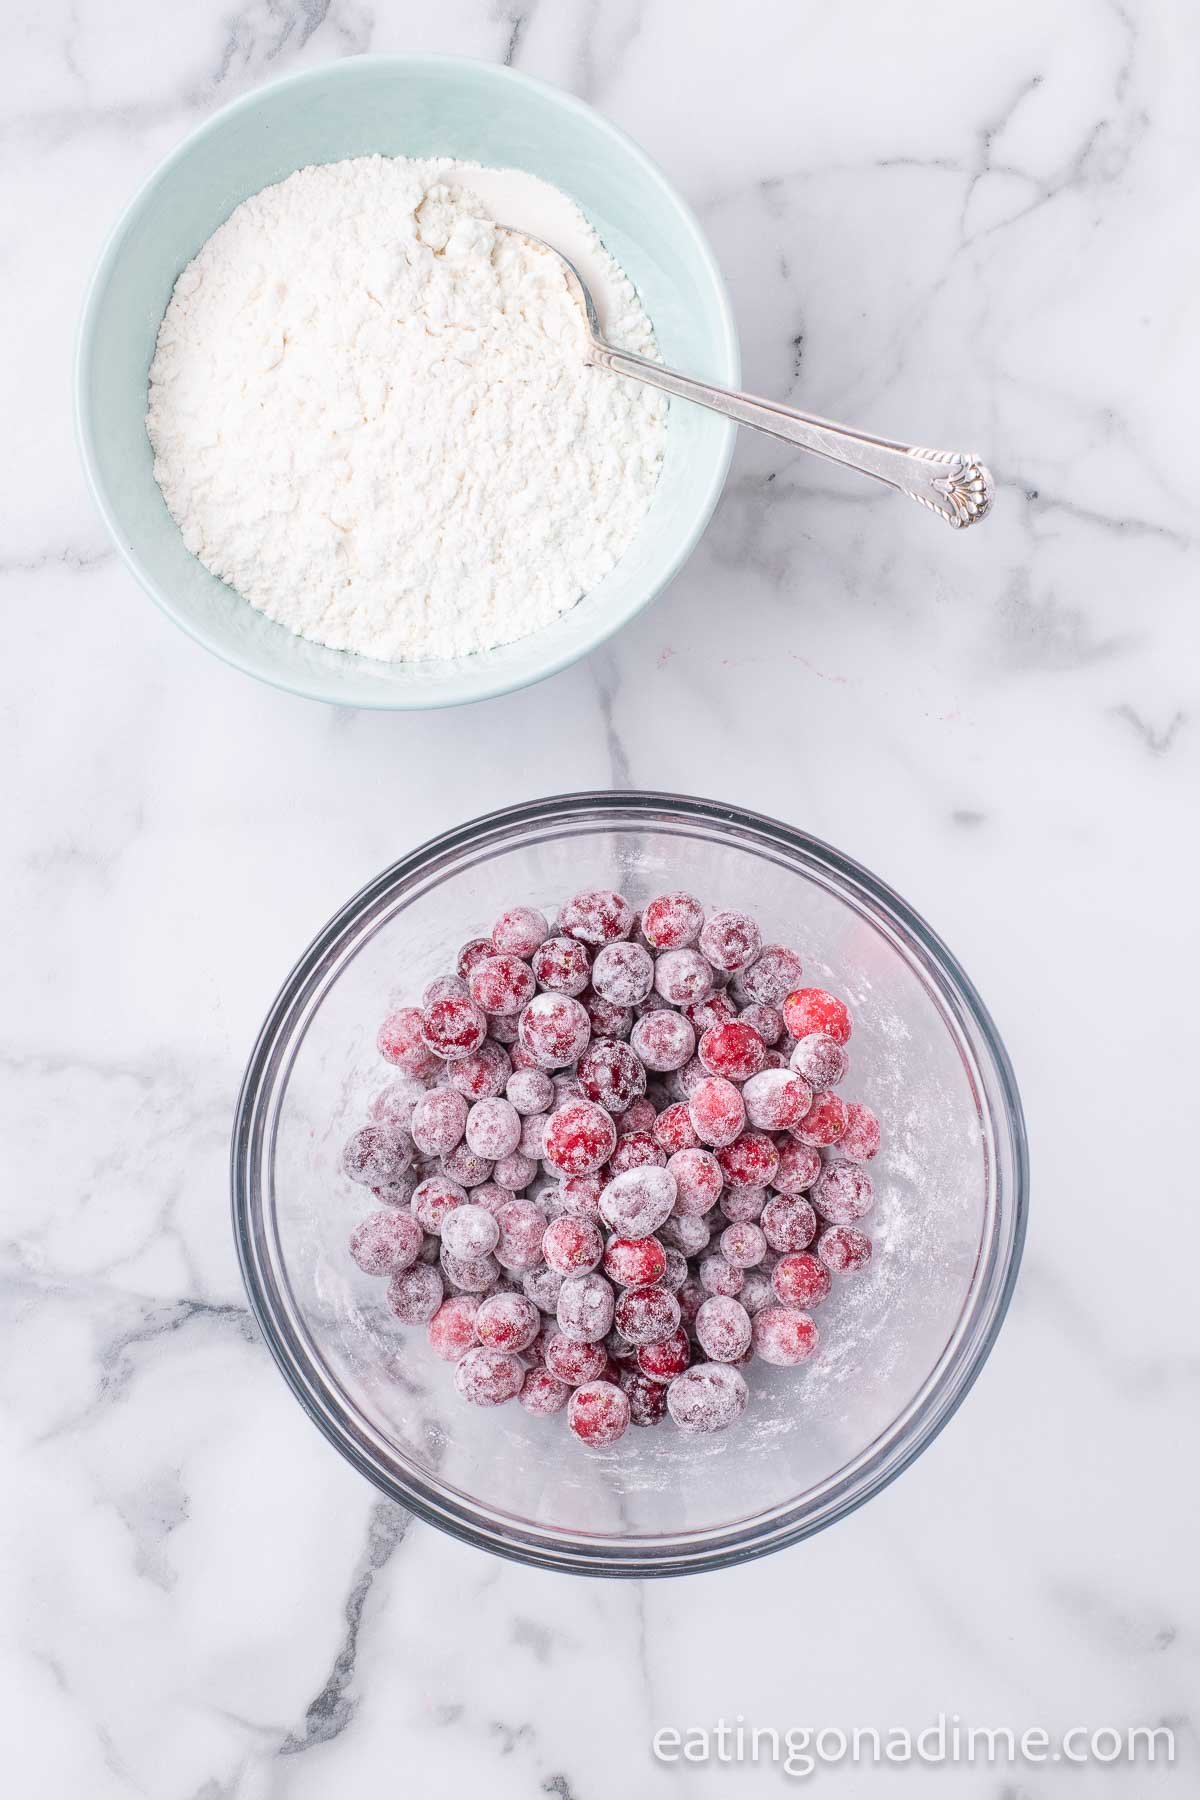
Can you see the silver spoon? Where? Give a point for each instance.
(954, 485)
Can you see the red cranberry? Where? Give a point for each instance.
(788, 1223)
(686, 1232)
(672, 921)
(541, 1393)
(743, 1245)
(723, 1329)
(783, 1336)
(465, 1167)
(377, 1155)
(580, 1137)
(707, 1397)
(482, 1076)
(646, 1315)
(860, 1140)
(717, 1009)
(469, 1232)
(415, 1294)
(452, 1327)
(824, 1122)
(757, 1292)
(581, 1195)
(698, 1181)
(507, 1322)
(720, 1277)
(821, 1061)
(673, 1129)
(682, 976)
(647, 1399)
(611, 1075)
(393, 1104)
(469, 1274)
(514, 1171)
(772, 976)
(554, 1029)
(799, 1166)
(634, 1262)
(443, 987)
(685, 1081)
(640, 1115)
(800, 1280)
(585, 1308)
(493, 1129)
(531, 1091)
(844, 1249)
(691, 1297)
(663, 1041)
(454, 1028)
(543, 1287)
(806, 1010)
(776, 1100)
(488, 1377)
(502, 984)
(596, 916)
(733, 1049)
(606, 1019)
(637, 1202)
(562, 965)
(717, 1111)
(435, 1197)
(623, 973)
(730, 940)
(401, 1041)
(598, 1413)
(473, 952)
(843, 1192)
(636, 1150)
(386, 1242)
(572, 1361)
(676, 1271)
(766, 1020)
(438, 1122)
(519, 930)
(664, 1360)
(522, 1227)
(743, 1206)
(398, 1193)
(749, 1162)
(572, 1245)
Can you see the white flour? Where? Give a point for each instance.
(370, 417)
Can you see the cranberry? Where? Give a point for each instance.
(572, 1361)
(730, 940)
(663, 1041)
(454, 1028)
(860, 1140)
(723, 1329)
(843, 1249)
(800, 1280)
(502, 1029)
(717, 1009)
(482, 1076)
(682, 976)
(799, 1166)
(637, 1202)
(743, 1245)
(635, 1262)
(386, 1242)
(502, 984)
(698, 1181)
(519, 930)
(788, 1223)
(606, 1019)
(640, 1115)
(585, 1307)
(686, 1232)
(743, 1206)
(438, 1122)
(673, 1129)
(647, 1399)
(691, 1297)
(806, 1010)
(377, 1155)
(522, 1228)
(766, 1020)
(749, 1162)
(685, 1081)
(707, 1397)
(469, 1274)
(452, 1327)
(493, 1129)
(581, 1195)
(672, 921)
(676, 1271)
(488, 1377)
(646, 1315)
(507, 1322)
(554, 1029)
(531, 1091)
(415, 1294)
(442, 987)
(401, 1041)
(596, 916)
(623, 973)
(490, 1195)
(772, 976)
(541, 1393)
(398, 1193)
(821, 1060)
(669, 1357)
(542, 1286)
(717, 1111)
(470, 1232)
(580, 1137)
(757, 1292)
(393, 1104)
(514, 1171)
(611, 1075)
(532, 1141)
(733, 1049)
(598, 1413)
(465, 1167)
(436, 1197)
(824, 1122)
(843, 1192)
(783, 1336)
(776, 1099)
(562, 965)
(473, 952)
(636, 1150)
(572, 1245)
(720, 1277)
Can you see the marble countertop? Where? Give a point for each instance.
(965, 226)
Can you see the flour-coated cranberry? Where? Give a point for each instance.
(514, 1171)
(493, 1129)
(743, 1206)
(488, 1377)
(673, 1129)
(717, 1111)
(766, 1020)
(554, 1029)
(636, 1203)
(453, 1028)
(647, 1399)
(783, 1336)
(415, 1294)
(662, 1041)
(433, 1199)
(743, 1245)
(585, 1308)
(646, 1315)
(844, 1249)
(401, 1041)
(470, 1231)
(682, 976)
(640, 1115)
(843, 1193)
(707, 1397)
(691, 1296)
(502, 1029)
(664, 1360)
(531, 1091)
(675, 1273)
(562, 965)
(685, 1232)
(776, 1099)
(502, 984)
(775, 973)
(398, 1192)
(519, 930)
(723, 1329)
(532, 1141)
(750, 1161)
(685, 1081)
(572, 1245)
(611, 1075)
(672, 921)
(698, 1181)
(730, 940)
(482, 1076)
(438, 1122)
(806, 1010)
(606, 1019)
(574, 1361)
(491, 1195)
(466, 1167)
(596, 916)
(799, 1166)
(788, 1223)
(581, 1195)
(522, 1228)
(623, 973)
(824, 1122)
(579, 1138)
(800, 1280)
(508, 1322)
(377, 1154)
(636, 1150)
(393, 1104)
(720, 1277)
(598, 1413)
(860, 1140)
(757, 1291)
(452, 1328)
(542, 1394)
(732, 1049)
(469, 1274)
(716, 1009)
(542, 1286)
(821, 1060)
(443, 987)
(386, 1242)
(473, 951)
(635, 1262)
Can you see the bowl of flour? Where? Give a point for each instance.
(340, 427)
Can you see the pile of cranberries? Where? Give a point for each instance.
(613, 1165)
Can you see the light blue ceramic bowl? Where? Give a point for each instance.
(397, 106)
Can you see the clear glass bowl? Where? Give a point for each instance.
(900, 1344)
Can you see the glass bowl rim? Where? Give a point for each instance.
(919, 1422)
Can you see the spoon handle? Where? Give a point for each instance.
(956, 486)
